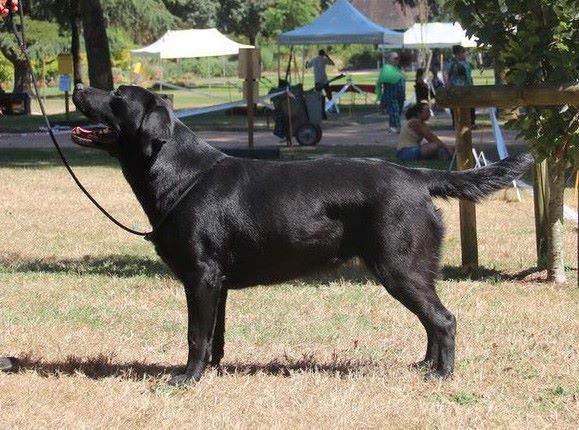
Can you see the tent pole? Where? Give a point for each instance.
(161, 80)
(426, 73)
(303, 63)
(278, 63)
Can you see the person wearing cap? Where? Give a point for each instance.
(391, 91)
(458, 73)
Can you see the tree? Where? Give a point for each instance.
(289, 14)
(97, 45)
(539, 43)
(144, 20)
(243, 17)
(43, 41)
(194, 13)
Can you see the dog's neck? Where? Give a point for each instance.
(177, 165)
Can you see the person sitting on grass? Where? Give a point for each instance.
(417, 141)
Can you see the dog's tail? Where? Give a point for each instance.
(474, 184)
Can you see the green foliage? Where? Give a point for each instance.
(42, 38)
(120, 45)
(194, 13)
(538, 40)
(6, 69)
(243, 17)
(289, 14)
(145, 20)
(360, 56)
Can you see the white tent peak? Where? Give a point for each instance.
(436, 35)
(192, 43)
(341, 23)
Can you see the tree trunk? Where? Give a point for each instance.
(501, 79)
(541, 199)
(75, 24)
(22, 81)
(500, 71)
(556, 261)
(100, 73)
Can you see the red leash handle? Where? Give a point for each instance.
(8, 7)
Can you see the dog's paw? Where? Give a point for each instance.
(437, 375)
(423, 365)
(8, 364)
(183, 379)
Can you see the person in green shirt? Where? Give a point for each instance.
(391, 91)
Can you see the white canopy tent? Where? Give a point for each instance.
(341, 23)
(193, 43)
(434, 35)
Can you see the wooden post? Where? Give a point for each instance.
(250, 70)
(508, 96)
(465, 160)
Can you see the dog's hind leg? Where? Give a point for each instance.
(420, 297)
(217, 349)
(202, 291)
(405, 261)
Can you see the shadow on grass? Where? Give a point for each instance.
(126, 266)
(123, 266)
(356, 272)
(103, 366)
(98, 367)
(48, 158)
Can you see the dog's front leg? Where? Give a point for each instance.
(202, 293)
(217, 349)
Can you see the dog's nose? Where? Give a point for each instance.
(78, 86)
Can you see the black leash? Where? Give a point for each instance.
(22, 45)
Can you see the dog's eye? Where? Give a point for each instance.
(116, 93)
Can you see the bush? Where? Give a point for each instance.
(6, 69)
(361, 57)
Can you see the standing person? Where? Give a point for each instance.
(421, 88)
(391, 91)
(319, 64)
(417, 141)
(458, 73)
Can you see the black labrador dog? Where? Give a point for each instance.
(222, 222)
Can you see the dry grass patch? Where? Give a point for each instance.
(99, 325)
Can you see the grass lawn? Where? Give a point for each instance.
(99, 324)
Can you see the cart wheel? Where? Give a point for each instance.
(308, 134)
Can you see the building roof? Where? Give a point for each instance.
(397, 15)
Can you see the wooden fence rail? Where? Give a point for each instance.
(461, 99)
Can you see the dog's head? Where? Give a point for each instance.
(136, 121)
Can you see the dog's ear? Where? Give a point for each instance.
(156, 129)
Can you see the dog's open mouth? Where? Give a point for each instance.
(94, 136)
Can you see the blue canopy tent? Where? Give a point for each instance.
(340, 24)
